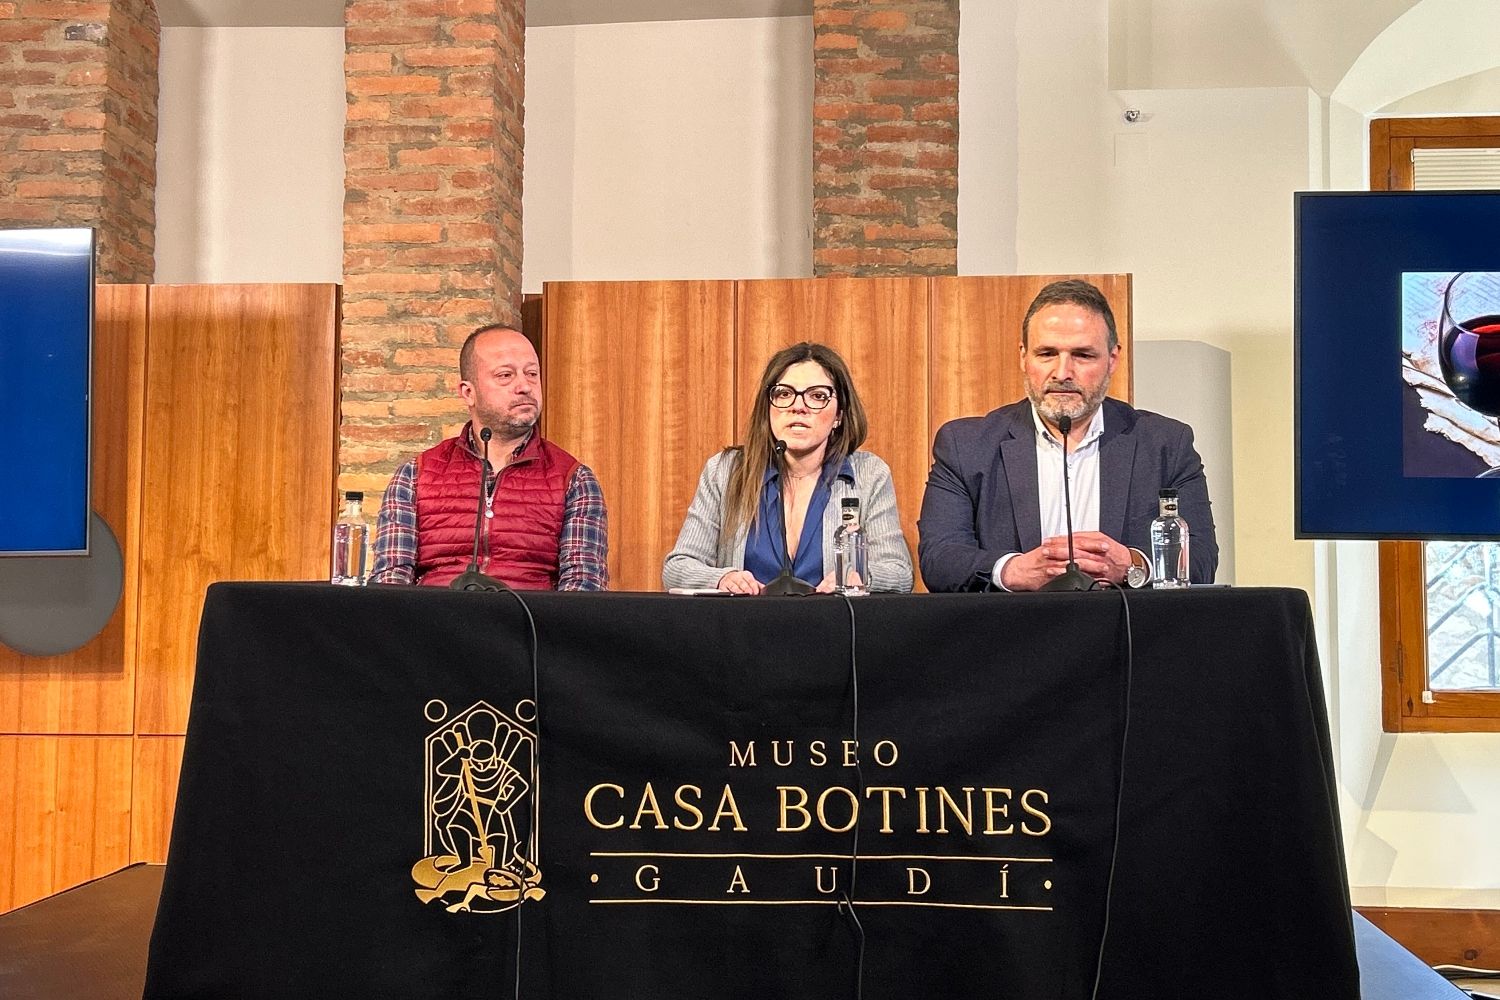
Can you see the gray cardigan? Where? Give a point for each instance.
(700, 559)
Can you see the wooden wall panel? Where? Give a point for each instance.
(90, 690)
(28, 780)
(239, 466)
(93, 808)
(976, 337)
(640, 389)
(157, 762)
(67, 818)
(879, 326)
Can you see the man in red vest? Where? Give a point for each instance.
(545, 526)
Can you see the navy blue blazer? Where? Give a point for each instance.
(981, 499)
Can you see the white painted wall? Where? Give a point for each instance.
(1217, 43)
(668, 149)
(636, 131)
(250, 155)
(1200, 209)
(1475, 94)
(1193, 381)
(1433, 42)
(988, 50)
(1204, 44)
(1420, 810)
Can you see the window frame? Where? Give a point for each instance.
(1407, 706)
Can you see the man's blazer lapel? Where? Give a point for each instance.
(1116, 463)
(1018, 453)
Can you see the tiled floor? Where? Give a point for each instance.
(90, 941)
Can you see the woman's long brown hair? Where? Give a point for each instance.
(742, 498)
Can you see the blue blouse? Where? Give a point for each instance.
(765, 545)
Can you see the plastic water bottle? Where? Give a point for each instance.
(851, 552)
(351, 543)
(1169, 544)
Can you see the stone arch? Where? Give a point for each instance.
(1434, 42)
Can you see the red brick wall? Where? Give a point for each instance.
(432, 213)
(78, 93)
(885, 137)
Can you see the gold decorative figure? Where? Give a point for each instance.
(480, 769)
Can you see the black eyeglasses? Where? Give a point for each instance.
(814, 397)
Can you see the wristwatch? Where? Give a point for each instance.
(1138, 575)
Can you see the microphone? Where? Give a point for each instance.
(1072, 578)
(785, 584)
(471, 578)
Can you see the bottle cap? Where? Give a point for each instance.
(354, 495)
(1168, 494)
(849, 502)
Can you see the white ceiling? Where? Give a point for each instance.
(330, 13)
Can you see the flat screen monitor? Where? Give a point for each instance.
(1398, 365)
(46, 347)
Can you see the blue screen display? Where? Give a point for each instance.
(46, 337)
(1398, 365)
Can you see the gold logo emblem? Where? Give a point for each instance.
(481, 773)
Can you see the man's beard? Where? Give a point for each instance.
(1075, 408)
(506, 427)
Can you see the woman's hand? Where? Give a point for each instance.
(739, 581)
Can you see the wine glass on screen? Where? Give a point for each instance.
(1469, 355)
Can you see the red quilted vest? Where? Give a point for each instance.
(528, 506)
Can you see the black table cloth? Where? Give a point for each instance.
(379, 798)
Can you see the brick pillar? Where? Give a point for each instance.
(885, 137)
(78, 91)
(432, 213)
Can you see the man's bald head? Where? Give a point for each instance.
(471, 343)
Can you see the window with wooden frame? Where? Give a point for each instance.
(1439, 601)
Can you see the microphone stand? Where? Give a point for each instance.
(785, 584)
(471, 578)
(1072, 578)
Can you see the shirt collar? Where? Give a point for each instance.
(473, 447)
(1044, 435)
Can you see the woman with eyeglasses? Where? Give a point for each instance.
(773, 503)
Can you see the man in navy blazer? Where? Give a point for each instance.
(993, 515)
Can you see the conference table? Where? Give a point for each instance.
(404, 792)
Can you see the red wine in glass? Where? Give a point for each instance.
(1469, 354)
